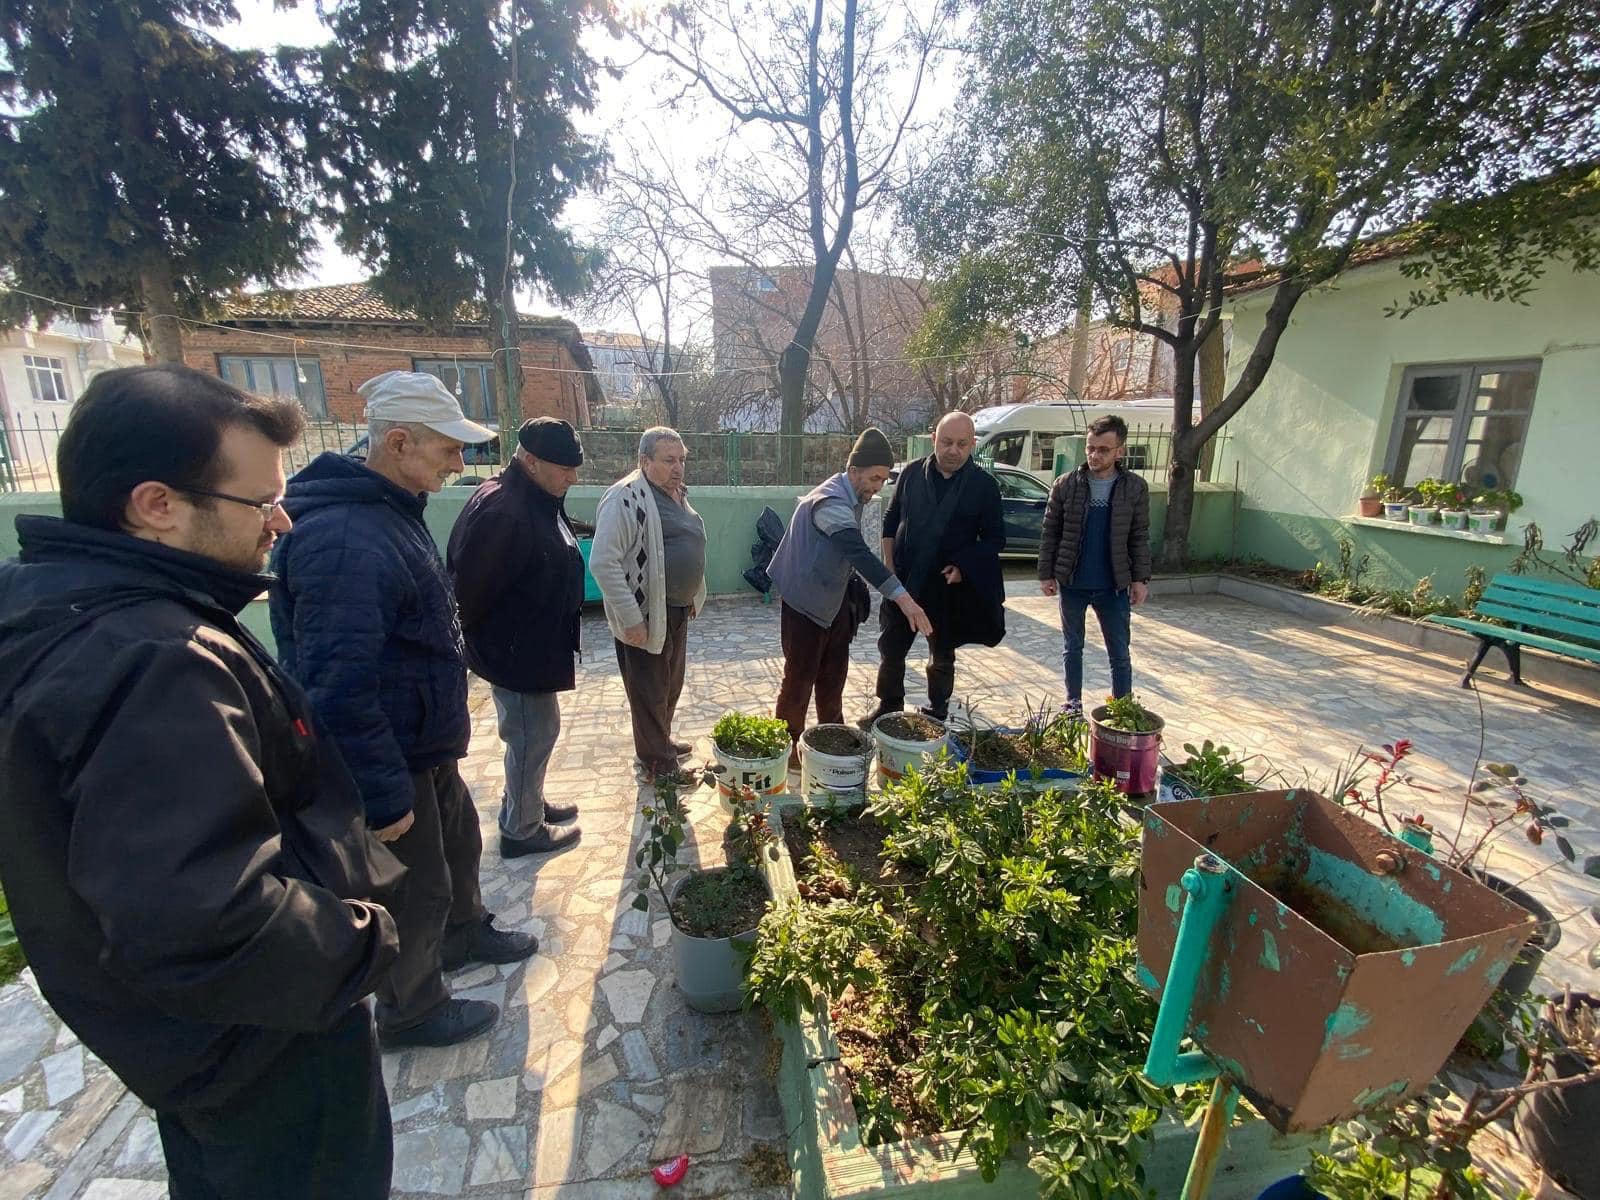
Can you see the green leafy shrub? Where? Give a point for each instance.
(11, 960)
(1212, 770)
(1018, 945)
(751, 737)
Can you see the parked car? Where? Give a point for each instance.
(1022, 496)
(1030, 436)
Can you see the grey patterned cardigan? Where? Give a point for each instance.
(627, 562)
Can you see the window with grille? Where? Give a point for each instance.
(470, 380)
(47, 379)
(1463, 423)
(283, 376)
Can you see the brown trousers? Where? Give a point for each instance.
(440, 852)
(813, 658)
(653, 683)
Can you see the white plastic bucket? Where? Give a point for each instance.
(895, 754)
(765, 776)
(831, 777)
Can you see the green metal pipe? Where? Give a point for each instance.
(1208, 890)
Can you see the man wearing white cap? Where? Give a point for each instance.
(365, 620)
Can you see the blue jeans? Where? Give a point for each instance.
(1114, 611)
(530, 722)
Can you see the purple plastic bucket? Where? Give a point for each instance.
(1131, 760)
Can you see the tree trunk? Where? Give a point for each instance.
(1078, 371)
(1211, 384)
(163, 333)
(505, 334)
(1174, 554)
(793, 366)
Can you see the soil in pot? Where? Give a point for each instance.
(994, 750)
(720, 903)
(913, 727)
(838, 740)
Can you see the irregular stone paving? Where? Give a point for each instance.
(597, 1069)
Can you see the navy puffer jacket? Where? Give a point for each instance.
(365, 620)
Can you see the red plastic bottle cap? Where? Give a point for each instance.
(669, 1173)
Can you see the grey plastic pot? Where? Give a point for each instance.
(1558, 1125)
(709, 971)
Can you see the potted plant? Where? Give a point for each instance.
(752, 752)
(1371, 498)
(1452, 501)
(1047, 745)
(1396, 501)
(903, 738)
(1558, 1123)
(1491, 507)
(1125, 744)
(1424, 508)
(714, 912)
(1210, 770)
(833, 763)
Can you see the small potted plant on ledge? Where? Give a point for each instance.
(1371, 499)
(752, 752)
(714, 912)
(1396, 500)
(1424, 508)
(1452, 501)
(1491, 507)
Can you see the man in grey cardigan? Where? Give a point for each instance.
(1095, 553)
(649, 561)
(813, 567)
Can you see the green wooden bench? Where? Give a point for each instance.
(1559, 617)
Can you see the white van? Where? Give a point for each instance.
(1026, 436)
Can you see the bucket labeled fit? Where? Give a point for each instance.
(764, 776)
(1131, 760)
(827, 776)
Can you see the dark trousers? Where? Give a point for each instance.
(1114, 611)
(813, 658)
(653, 683)
(315, 1126)
(440, 852)
(895, 636)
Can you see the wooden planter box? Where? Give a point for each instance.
(830, 1162)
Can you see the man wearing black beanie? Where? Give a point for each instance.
(519, 582)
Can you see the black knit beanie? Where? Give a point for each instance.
(872, 449)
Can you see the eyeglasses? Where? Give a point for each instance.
(265, 507)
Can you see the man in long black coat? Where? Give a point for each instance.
(943, 534)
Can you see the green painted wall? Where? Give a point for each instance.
(1319, 427)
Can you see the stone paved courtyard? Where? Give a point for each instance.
(597, 1069)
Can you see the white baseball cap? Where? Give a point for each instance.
(422, 398)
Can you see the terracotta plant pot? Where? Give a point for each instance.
(1371, 506)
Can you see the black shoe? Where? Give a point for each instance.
(883, 709)
(483, 943)
(547, 841)
(681, 749)
(561, 813)
(453, 1021)
(938, 714)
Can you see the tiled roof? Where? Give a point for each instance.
(354, 303)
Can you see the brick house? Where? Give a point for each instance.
(318, 344)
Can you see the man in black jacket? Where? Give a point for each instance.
(1094, 552)
(184, 854)
(518, 579)
(942, 534)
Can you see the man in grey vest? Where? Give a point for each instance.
(813, 568)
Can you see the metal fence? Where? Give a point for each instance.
(28, 453)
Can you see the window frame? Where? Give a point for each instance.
(37, 366)
(310, 396)
(1468, 375)
(436, 367)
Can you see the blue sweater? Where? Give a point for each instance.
(365, 620)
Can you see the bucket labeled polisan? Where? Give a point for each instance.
(829, 776)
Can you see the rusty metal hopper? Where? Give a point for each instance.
(1346, 963)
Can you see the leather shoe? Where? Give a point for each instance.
(681, 749)
(561, 813)
(547, 841)
(484, 943)
(453, 1021)
(938, 714)
(677, 775)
